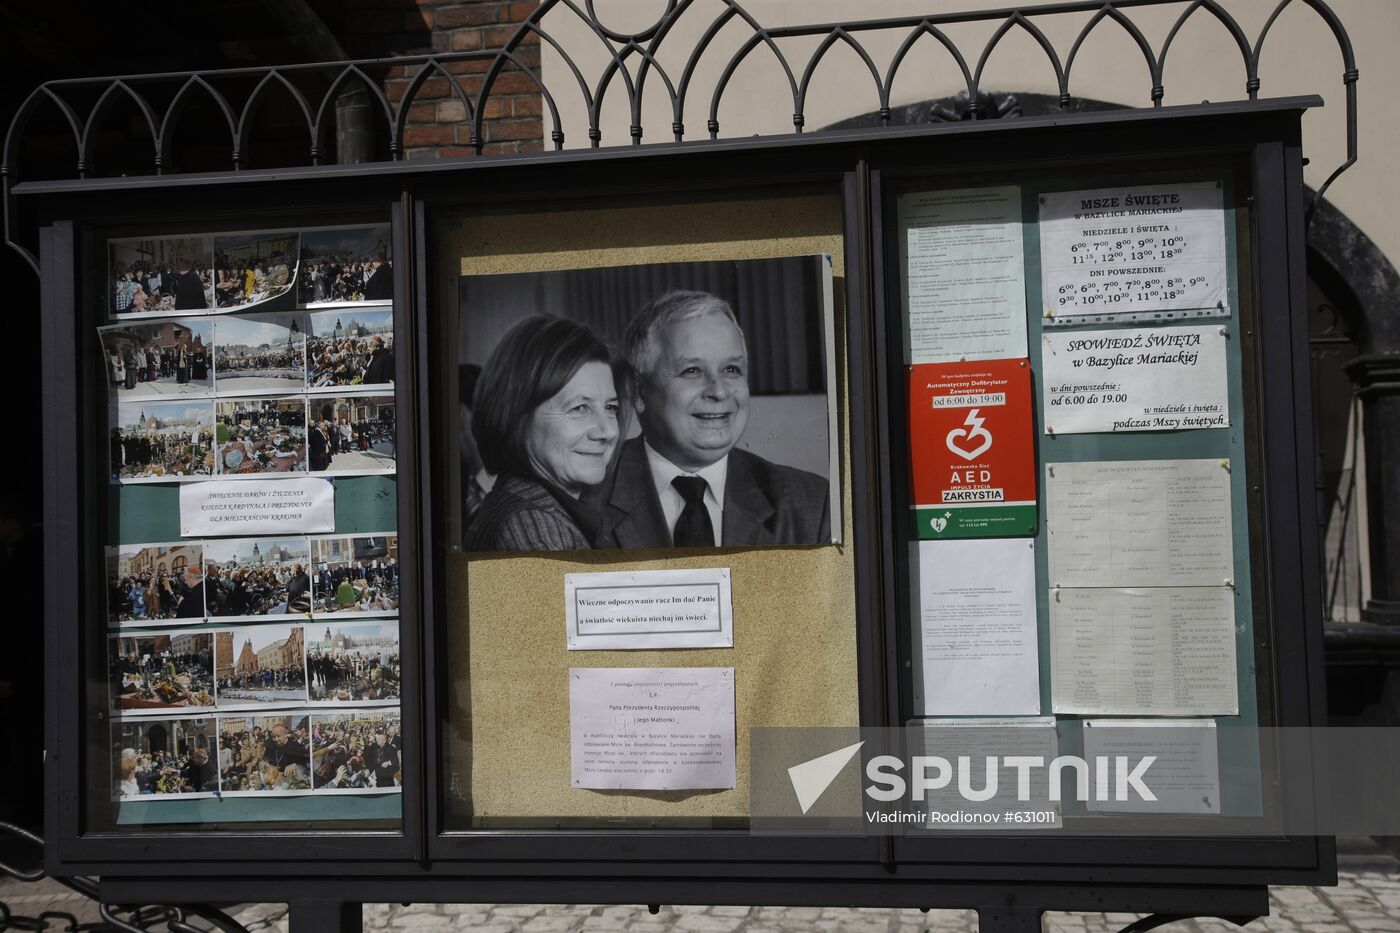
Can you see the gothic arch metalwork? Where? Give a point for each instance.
(634, 56)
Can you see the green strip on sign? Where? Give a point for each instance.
(998, 521)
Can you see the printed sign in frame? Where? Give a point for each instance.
(972, 449)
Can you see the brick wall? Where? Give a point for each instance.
(437, 121)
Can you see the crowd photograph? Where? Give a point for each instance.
(357, 752)
(165, 358)
(162, 440)
(159, 276)
(260, 353)
(354, 663)
(261, 435)
(673, 405)
(356, 575)
(346, 264)
(351, 434)
(251, 268)
(350, 347)
(248, 578)
(164, 758)
(264, 754)
(259, 665)
(148, 584)
(162, 672)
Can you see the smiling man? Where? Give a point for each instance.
(684, 482)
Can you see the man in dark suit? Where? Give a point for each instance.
(380, 368)
(684, 482)
(199, 773)
(299, 591)
(380, 284)
(192, 603)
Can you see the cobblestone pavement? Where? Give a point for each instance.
(1366, 898)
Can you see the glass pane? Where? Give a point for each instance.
(245, 663)
(550, 723)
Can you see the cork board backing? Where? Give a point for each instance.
(507, 696)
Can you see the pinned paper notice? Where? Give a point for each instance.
(257, 507)
(648, 609)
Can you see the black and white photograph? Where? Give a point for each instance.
(345, 264)
(258, 436)
(159, 276)
(162, 440)
(357, 752)
(350, 347)
(164, 758)
(265, 754)
(260, 353)
(260, 665)
(353, 662)
(669, 405)
(252, 268)
(356, 575)
(352, 434)
(162, 671)
(160, 359)
(249, 578)
(150, 584)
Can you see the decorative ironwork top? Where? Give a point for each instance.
(474, 78)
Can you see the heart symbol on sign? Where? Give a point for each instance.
(939, 524)
(972, 428)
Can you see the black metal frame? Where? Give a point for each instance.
(1182, 875)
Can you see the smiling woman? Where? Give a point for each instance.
(546, 423)
(724, 372)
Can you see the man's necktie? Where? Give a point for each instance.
(693, 528)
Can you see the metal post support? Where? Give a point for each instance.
(324, 917)
(1004, 919)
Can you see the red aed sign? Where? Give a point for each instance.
(972, 444)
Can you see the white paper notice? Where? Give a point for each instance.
(1138, 252)
(648, 609)
(1163, 651)
(1138, 379)
(1139, 523)
(1022, 799)
(965, 276)
(1185, 777)
(257, 507)
(975, 628)
(657, 728)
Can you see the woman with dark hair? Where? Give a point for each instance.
(545, 417)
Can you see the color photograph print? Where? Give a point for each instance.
(350, 347)
(161, 672)
(161, 441)
(356, 576)
(165, 759)
(264, 754)
(567, 443)
(260, 665)
(345, 265)
(151, 584)
(159, 276)
(160, 358)
(254, 268)
(351, 434)
(358, 752)
(252, 578)
(260, 353)
(258, 436)
(354, 662)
